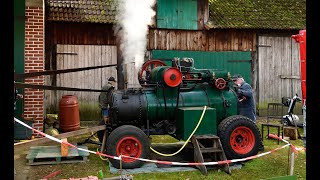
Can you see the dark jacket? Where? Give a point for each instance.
(246, 103)
(103, 97)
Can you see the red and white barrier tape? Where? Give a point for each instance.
(294, 149)
(157, 161)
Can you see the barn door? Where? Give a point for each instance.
(232, 61)
(279, 68)
(79, 56)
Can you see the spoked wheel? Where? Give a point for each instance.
(146, 68)
(130, 141)
(240, 137)
(220, 83)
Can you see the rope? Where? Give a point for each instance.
(195, 129)
(101, 157)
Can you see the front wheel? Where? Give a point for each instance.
(130, 141)
(240, 137)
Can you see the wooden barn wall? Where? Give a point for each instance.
(212, 40)
(279, 69)
(91, 45)
(196, 40)
(79, 33)
(78, 56)
(76, 34)
(203, 13)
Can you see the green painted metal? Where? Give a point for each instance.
(189, 117)
(162, 101)
(19, 35)
(157, 73)
(233, 61)
(177, 14)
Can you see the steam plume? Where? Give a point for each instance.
(133, 18)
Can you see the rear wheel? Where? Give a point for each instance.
(240, 137)
(130, 141)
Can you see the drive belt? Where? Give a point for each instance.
(36, 86)
(54, 72)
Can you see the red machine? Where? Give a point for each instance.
(301, 38)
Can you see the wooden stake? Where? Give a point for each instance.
(64, 148)
(291, 162)
(104, 141)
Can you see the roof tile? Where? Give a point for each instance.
(253, 14)
(98, 11)
(257, 14)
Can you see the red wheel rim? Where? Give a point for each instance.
(152, 64)
(242, 140)
(129, 146)
(220, 83)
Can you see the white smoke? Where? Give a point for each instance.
(133, 18)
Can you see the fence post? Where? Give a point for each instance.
(291, 161)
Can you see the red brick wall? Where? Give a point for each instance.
(34, 62)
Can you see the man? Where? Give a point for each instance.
(246, 103)
(104, 97)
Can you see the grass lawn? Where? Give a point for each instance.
(275, 164)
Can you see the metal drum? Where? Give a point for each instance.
(69, 114)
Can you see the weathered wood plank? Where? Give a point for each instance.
(275, 64)
(219, 41)
(296, 69)
(150, 39)
(211, 40)
(203, 13)
(183, 40)
(178, 41)
(244, 41)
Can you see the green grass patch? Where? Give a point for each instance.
(275, 164)
(89, 111)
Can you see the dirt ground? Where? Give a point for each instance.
(22, 171)
(27, 172)
(36, 172)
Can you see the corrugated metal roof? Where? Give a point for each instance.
(257, 14)
(97, 11)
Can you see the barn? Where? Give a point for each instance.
(252, 38)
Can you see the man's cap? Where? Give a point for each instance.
(236, 76)
(112, 79)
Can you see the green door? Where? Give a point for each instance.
(19, 35)
(177, 14)
(233, 61)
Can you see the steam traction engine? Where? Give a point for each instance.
(170, 102)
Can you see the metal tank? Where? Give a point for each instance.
(69, 114)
